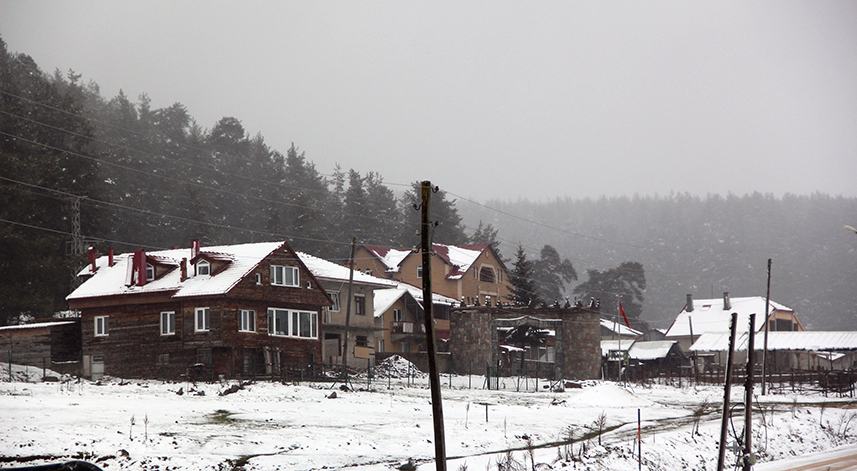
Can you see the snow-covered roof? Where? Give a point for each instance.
(795, 341)
(391, 258)
(460, 257)
(620, 328)
(111, 280)
(708, 315)
(652, 350)
(614, 345)
(35, 325)
(384, 298)
(327, 270)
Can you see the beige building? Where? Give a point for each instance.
(462, 272)
(400, 319)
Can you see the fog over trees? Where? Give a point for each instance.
(156, 178)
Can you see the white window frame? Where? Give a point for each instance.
(334, 295)
(293, 323)
(247, 320)
(398, 315)
(282, 275)
(203, 268)
(168, 323)
(102, 326)
(150, 272)
(419, 271)
(202, 319)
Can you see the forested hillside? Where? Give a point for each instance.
(703, 246)
(155, 178)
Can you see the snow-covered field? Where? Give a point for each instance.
(148, 425)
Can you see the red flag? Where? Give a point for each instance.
(622, 311)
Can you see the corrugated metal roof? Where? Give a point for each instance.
(794, 341)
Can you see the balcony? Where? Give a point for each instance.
(400, 330)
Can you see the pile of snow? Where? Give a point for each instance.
(397, 367)
(29, 374)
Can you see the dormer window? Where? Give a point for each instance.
(150, 272)
(284, 276)
(203, 267)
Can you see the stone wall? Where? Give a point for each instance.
(577, 342)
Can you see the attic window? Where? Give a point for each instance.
(203, 267)
(419, 271)
(486, 274)
(150, 272)
(284, 276)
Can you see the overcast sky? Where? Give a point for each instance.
(494, 99)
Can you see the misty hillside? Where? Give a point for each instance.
(127, 175)
(702, 246)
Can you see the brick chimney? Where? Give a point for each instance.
(194, 248)
(184, 269)
(689, 306)
(140, 266)
(727, 303)
(110, 257)
(91, 252)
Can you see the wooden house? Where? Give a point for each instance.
(53, 345)
(232, 311)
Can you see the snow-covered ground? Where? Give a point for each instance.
(148, 425)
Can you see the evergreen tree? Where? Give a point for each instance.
(522, 289)
(550, 273)
(486, 234)
(449, 230)
(625, 283)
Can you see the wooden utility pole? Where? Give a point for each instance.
(348, 312)
(748, 397)
(726, 393)
(767, 323)
(434, 377)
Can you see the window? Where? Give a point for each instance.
(168, 323)
(419, 271)
(360, 305)
(101, 326)
(404, 347)
(150, 272)
(381, 345)
(247, 320)
(258, 278)
(334, 295)
(397, 315)
(284, 276)
(486, 274)
(362, 341)
(203, 267)
(302, 324)
(202, 319)
(499, 276)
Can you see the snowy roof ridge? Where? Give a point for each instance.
(107, 280)
(325, 269)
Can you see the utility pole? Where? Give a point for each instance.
(767, 323)
(748, 457)
(436, 405)
(727, 392)
(348, 301)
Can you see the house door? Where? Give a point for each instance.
(97, 367)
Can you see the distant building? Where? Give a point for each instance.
(469, 273)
